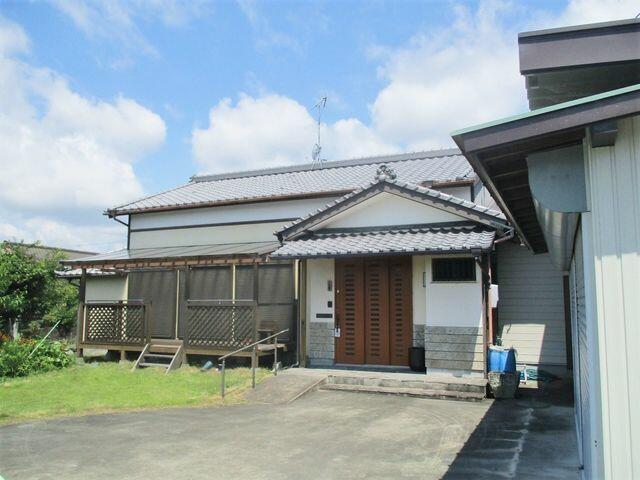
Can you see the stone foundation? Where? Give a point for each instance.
(454, 350)
(321, 344)
(418, 335)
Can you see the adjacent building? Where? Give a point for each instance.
(567, 177)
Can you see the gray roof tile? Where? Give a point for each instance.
(450, 239)
(194, 251)
(339, 176)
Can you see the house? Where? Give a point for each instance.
(358, 260)
(567, 177)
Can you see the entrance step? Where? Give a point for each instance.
(408, 392)
(165, 354)
(414, 385)
(420, 382)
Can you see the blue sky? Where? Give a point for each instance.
(114, 100)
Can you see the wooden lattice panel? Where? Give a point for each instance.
(118, 324)
(220, 326)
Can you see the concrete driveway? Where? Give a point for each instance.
(322, 435)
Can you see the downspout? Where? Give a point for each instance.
(508, 236)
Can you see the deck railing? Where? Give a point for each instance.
(220, 324)
(123, 322)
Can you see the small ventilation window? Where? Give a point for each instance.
(453, 269)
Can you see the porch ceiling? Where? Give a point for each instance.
(388, 241)
(172, 256)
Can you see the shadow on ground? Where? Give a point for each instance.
(532, 436)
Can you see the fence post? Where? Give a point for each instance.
(82, 292)
(147, 321)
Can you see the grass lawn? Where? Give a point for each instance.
(110, 387)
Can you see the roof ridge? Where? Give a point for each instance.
(367, 160)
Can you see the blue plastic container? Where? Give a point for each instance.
(501, 359)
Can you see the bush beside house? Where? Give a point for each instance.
(30, 294)
(17, 359)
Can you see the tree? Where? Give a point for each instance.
(29, 292)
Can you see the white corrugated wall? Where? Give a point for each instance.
(612, 233)
(580, 352)
(531, 306)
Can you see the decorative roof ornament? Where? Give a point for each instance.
(385, 172)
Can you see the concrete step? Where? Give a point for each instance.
(409, 392)
(474, 385)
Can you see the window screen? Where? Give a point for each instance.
(453, 269)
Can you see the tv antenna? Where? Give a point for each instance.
(317, 148)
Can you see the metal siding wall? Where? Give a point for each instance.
(614, 197)
(531, 306)
(581, 352)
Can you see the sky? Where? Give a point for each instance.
(102, 103)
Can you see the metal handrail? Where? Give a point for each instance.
(253, 345)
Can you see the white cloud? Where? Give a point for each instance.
(589, 11)
(272, 130)
(460, 75)
(99, 237)
(63, 155)
(266, 35)
(118, 21)
(442, 79)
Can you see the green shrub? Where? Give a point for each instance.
(15, 360)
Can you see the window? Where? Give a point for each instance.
(453, 269)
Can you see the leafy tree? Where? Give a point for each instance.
(29, 292)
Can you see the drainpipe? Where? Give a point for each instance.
(508, 236)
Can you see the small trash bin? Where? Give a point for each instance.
(416, 359)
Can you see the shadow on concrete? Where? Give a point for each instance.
(530, 436)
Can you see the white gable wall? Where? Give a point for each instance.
(388, 209)
(246, 212)
(225, 224)
(176, 237)
(106, 288)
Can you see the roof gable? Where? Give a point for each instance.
(440, 208)
(388, 209)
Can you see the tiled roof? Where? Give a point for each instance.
(427, 192)
(339, 176)
(450, 239)
(195, 251)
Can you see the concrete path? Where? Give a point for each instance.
(322, 435)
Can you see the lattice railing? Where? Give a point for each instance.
(220, 323)
(115, 323)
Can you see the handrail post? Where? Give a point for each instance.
(222, 382)
(254, 358)
(275, 356)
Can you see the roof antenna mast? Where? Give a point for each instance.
(317, 148)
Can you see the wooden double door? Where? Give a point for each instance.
(374, 310)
